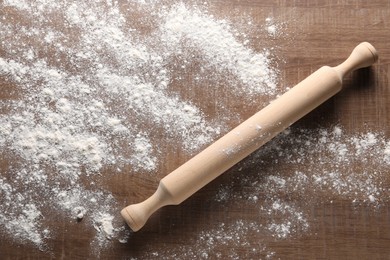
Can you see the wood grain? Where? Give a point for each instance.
(315, 33)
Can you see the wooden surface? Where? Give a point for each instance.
(315, 33)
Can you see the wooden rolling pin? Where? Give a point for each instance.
(248, 136)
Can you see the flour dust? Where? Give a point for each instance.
(87, 85)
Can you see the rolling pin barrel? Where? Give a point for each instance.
(249, 136)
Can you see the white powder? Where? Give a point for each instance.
(285, 219)
(79, 212)
(284, 198)
(103, 224)
(271, 27)
(94, 95)
(25, 226)
(220, 242)
(217, 42)
(21, 5)
(386, 153)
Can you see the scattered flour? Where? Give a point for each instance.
(284, 197)
(89, 91)
(219, 243)
(26, 226)
(218, 44)
(285, 219)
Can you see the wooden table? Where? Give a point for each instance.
(312, 34)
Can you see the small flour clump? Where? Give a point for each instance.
(107, 229)
(103, 224)
(271, 27)
(79, 212)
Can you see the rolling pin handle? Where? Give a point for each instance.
(363, 55)
(136, 215)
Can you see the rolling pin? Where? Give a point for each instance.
(248, 136)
